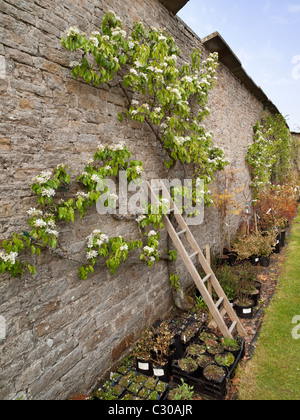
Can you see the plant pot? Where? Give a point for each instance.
(235, 349)
(254, 297)
(226, 360)
(214, 373)
(245, 312)
(144, 366)
(162, 372)
(186, 367)
(264, 261)
(282, 238)
(254, 261)
(232, 258)
(277, 247)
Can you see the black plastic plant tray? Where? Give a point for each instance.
(203, 385)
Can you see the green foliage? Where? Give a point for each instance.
(175, 282)
(270, 154)
(172, 99)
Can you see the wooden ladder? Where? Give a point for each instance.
(223, 302)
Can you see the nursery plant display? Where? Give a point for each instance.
(215, 363)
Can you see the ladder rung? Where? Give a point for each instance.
(194, 255)
(219, 303)
(182, 232)
(206, 278)
(233, 325)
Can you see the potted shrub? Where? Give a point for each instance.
(255, 246)
(248, 285)
(163, 339)
(244, 307)
(142, 353)
(153, 351)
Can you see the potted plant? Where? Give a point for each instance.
(244, 307)
(214, 347)
(214, 373)
(142, 353)
(248, 285)
(226, 359)
(163, 339)
(231, 345)
(188, 365)
(266, 247)
(195, 350)
(224, 199)
(143, 393)
(243, 247)
(206, 334)
(154, 396)
(204, 360)
(254, 246)
(188, 334)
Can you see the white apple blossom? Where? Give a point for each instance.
(95, 178)
(149, 249)
(43, 177)
(91, 254)
(39, 223)
(48, 192)
(140, 218)
(33, 212)
(11, 258)
(94, 41)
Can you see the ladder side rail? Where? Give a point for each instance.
(206, 267)
(197, 279)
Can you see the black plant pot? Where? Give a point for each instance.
(144, 366)
(232, 258)
(245, 312)
(277, 247)
(162, 372)
(254, 261)
(282, 238)
(254, 297)
(264, 261)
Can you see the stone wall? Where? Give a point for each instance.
(63, 334)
